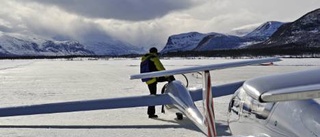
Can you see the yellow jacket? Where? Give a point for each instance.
(157, 65)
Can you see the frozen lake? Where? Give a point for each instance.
(26, 82)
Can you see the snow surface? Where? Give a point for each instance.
(26, 82)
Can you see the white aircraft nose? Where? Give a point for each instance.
(182, 101)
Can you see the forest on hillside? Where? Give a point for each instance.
(236, 53)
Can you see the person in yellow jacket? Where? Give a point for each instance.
(150, 62)
(154, 64)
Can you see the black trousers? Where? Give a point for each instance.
(153, 90)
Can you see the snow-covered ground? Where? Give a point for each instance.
(26, 82)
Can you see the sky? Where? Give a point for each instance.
(143, 23)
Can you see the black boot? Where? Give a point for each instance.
(179, 116)
(153, 116)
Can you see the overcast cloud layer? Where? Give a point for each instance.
(131, 10)
(142, 22)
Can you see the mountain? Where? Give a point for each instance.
(264, 31)
(302, 33)
(21, 45)
(13, 44)
(219, 41)
(183, 42)
(195, 41)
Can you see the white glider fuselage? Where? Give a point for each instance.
(296, 115)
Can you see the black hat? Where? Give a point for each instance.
(153, 50)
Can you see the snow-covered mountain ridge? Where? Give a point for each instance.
(302, 33)
(13, 44)
(195, 41)
(183, 42)
(18, 45)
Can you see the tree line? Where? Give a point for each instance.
(296, 52)
(236, 53)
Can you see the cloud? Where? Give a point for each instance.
(141, 22)
(48, 21)
(5, 26)
(130, 10)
